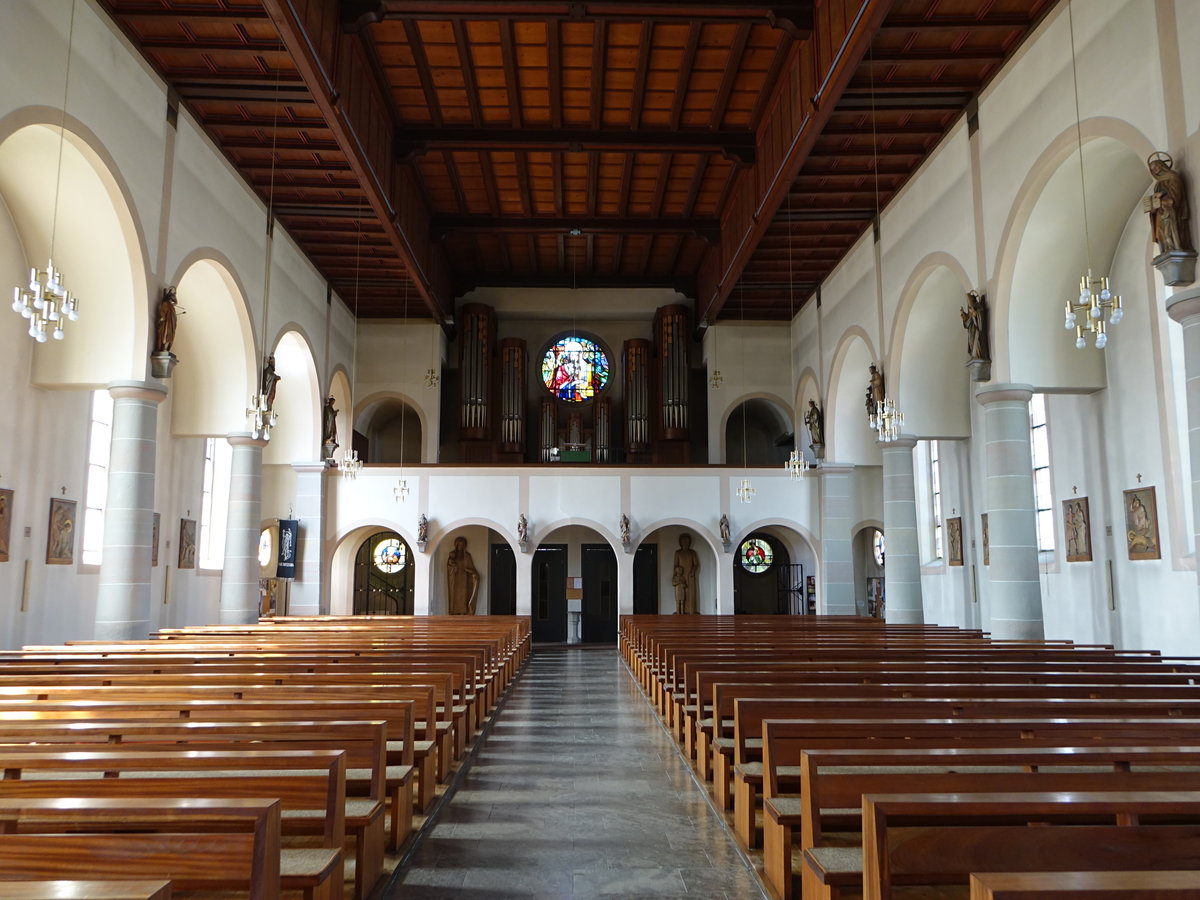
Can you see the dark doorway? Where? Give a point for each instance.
(599, 565)
(757, 584)
(549, 594)
(791, 589)
(645, 580)
(383, 576)
(502, 578)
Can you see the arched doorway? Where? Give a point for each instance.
(383, 576)
(574, 588)
(765, 581)
(869, 550)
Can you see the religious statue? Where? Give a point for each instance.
(522, 528)
(687, 567)
(270, 381)
(329, 441)
(814, 420)
(1167, 206)
(974, 319)
(874, 390)
(725, 530)
(168, 319)
(462, 580)
(422, 529)
(624, 529)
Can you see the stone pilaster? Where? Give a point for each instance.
(239, 578)
(123, 598)
(837, 559)
(308, 588)
(1184, 308)
(1016, 592)
(902, 564)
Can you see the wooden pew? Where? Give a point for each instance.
(958, 835)
(85, 890)
(1174, 885)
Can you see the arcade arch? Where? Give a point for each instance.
(297, 432)
(848, 437)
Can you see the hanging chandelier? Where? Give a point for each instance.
(400, 490)
(797, 465)
(432, 378)
(886, 420)
(260, 417)
(745, 491)
(45, 300)
(350, 465)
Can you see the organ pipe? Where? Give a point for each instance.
(637, 395)
(513, 362)
(671, 331)
(475, 355)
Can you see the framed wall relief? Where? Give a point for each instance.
(154, 532)
(6, 505)
(60, 537)
(1078, 525)
(987, 554)
(187, 543)
(1141, 524)
(954, 551)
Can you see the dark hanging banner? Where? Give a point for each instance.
(289, 534)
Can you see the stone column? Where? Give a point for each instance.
(902, 565)
(123, 598)
(239, 578)
(1184, 308)
(308, 587)
(1016, 592)
(837, 559)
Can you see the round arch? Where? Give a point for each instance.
(933, 388)
(210, 390)
(807, 390)
(345, 547)
(1042, 252)
(339, 390)
(394, 425)
(94, 237)
(767, 419)
(848, 438)
(800, 548)
(297, 433)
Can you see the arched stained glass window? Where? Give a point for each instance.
(575, 369)
(756, 555)
(879, 548)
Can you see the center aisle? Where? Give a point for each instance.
(577, 792)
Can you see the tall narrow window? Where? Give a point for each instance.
(1042, 500)
(935, 491)
(214, 502)
(99, 452)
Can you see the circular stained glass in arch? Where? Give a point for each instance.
(264, 548)
(390, 556)
(575, 369)
(756, 555)
(879, 547)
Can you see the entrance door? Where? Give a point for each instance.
(756, 576)
(549, 594)
(502, 578)
(383, 576)
(645, 580)
(599, 565)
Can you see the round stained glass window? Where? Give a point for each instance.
(390, 556)
(878, 546)
(264, 548)
(575, 369)
(756, 555)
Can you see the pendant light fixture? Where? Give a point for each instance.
(400, 489)
(745, 490)
(797, 463)
(45, 300)
(351, 465)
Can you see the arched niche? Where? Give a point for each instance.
(807, 390)
(339, 390)
(393, 427)
(758, 432)
(210, 390)
(664, 538)
(76, 212)
(928, 373)
(848, 436)
(785, 580)
(1050, 254)
(574, 551)
(297, 432)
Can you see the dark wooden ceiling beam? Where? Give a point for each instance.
(701, 227)
(936, 22)
(947, 56)
(467, 67)
(639, 78)
(554, 73)
(424, 76)
(686, 64)
(158, 10)
(941, 100)
(214, 44)
(512, 80)
(471, 280)
(599, 48)
(733, 68)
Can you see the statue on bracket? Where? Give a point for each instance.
(975, 321)
(1170, 221)
(814, 420)
(724, 525)
(624, 529)
(270, 381)
(522, 530)
(329, 441)
(162, 360)
(422, 530)
(875, 392)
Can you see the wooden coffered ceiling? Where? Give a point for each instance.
(419, 148)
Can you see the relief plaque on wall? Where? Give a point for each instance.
(6, 504)
(1078, 525)
(187, 543)
(60, 539)
(954, 550)
(1141, 524)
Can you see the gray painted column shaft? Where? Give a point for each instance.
(837, 560)
(309, 509)
(1184, 308)
(123, 597)
(902, 565)
(239, 578)
(1016, 591)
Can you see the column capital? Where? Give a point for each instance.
(137, 390)
(1183, 305)
(835, 468)
(902, 442)
(1002, 393)
(309, 467)
(245, 439)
